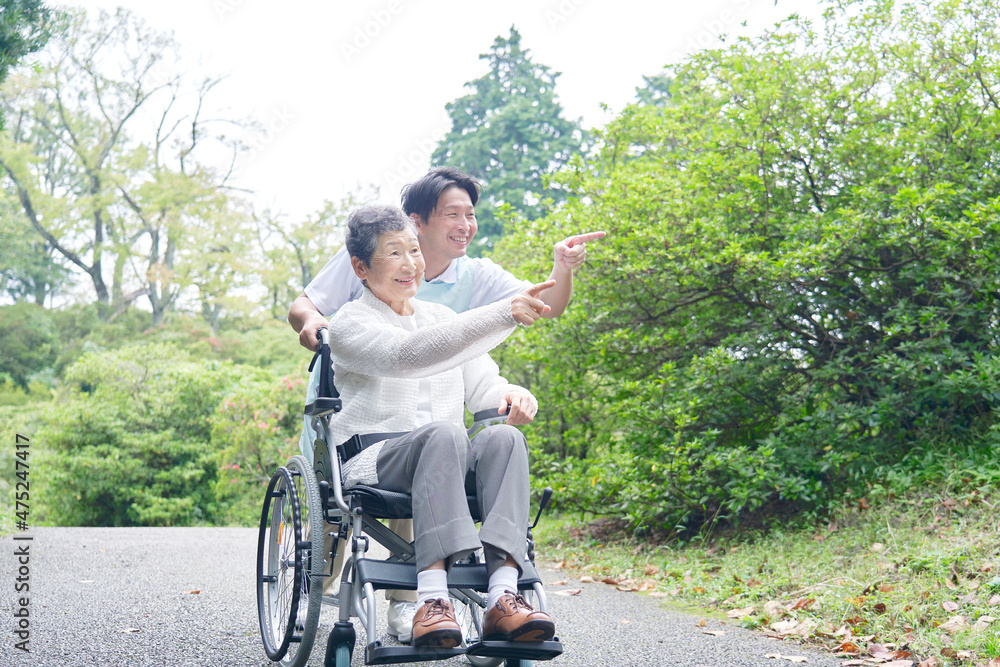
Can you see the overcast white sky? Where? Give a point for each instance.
(353, 92)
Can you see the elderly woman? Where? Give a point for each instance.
(404, 365)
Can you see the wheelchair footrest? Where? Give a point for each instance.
(376, 654)
(520, 650)
(403, 576)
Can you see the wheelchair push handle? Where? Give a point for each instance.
(327, 398)
(323, 336)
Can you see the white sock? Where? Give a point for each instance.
(501, 581)
(431, 584)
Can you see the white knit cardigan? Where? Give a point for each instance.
(378, 366)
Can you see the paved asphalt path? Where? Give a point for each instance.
(125, 596)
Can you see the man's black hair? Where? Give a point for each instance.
(421, 196)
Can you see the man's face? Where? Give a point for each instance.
(451, 227)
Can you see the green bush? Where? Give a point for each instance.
(799, 290)
(132, 446)
(256, 429)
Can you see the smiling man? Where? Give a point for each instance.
(443, 206)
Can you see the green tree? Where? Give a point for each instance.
(510, 134)
(109, 193)
(799, 288)
(29, 267)
(24, 29)
(655, 89)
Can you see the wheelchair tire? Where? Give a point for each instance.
(289, 579)
(310, 538)
(343, 656)
(471, 620)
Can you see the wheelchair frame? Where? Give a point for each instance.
(305, 501)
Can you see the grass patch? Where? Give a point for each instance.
(910, 578)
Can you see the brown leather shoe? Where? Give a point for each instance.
(513, 619)
(434, 625)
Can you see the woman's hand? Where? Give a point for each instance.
(526, 307)
(523, 407)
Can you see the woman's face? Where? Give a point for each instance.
(397, 267)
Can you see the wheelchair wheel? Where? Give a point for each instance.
(289, 579)
(470, 617)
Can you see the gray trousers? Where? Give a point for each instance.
(436, 464)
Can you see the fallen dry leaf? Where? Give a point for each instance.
(852, 663)
(969, 599)
(701, 623)
(986, 567)
(626, 620)
(877, 547)
(194, 592)
(714, 633)
(949, 605)
(560, 565)
(775, 609)
(651, 570)
(587, 579)
(982, 622)
(995, 662)
(561, 582)
(878, 651)
(610, 580)
(569, 591)
(929, 662)
(792, 658)
(739, 613)
(698, 589)
(849, 648)
(784, 627)
(954, 624)
(994, 601)
(897, 663)
(803, 603)
(887, 588)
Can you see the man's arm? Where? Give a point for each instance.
(306, 319)
(330, 289)
(569, 254)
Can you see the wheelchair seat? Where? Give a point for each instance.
(383, 504)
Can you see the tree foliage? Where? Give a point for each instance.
(24, 29)
(509, 132)
(800, 287)
(101, 158)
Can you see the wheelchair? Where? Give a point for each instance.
(304, 502)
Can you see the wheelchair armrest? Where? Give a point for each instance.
(323, 405)
(485, 418)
